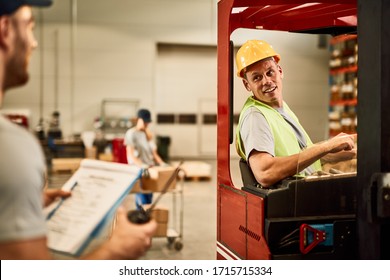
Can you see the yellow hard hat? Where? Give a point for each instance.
(253, 51)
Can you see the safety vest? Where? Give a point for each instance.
(286, 142)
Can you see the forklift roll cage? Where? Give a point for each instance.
(245, 220)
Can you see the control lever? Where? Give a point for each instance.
(142, 216)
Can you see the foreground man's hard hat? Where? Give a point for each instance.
(251, 52)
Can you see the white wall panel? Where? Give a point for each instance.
(207, 132)
(184, 141)
(186, 83)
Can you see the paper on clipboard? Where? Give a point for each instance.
(98, 188)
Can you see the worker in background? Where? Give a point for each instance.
(141, 150)
(269, 136)
(22, 222)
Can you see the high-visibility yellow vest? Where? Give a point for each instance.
(286, 142)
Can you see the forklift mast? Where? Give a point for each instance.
(250, 225)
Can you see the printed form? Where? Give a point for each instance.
(97, 189)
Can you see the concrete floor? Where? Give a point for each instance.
(197, 231)
(199, 224)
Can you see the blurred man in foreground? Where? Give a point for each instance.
(22, 179)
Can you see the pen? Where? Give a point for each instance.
(59, 203)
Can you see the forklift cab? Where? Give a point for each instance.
(335, 217)
(307, 218)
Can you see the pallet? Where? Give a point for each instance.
(197, 178)
(65, 165)
(195, 170)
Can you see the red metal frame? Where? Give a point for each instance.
(240, 232)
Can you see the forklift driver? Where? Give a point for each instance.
(269, 136)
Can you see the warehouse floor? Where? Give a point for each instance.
(199, 220)
(198, 226)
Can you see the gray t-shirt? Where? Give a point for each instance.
(256, 133)
(22, 170)
(142, 147)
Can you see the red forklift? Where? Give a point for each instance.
(339, 217)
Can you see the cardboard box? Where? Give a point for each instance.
(137, 187)
(65, 164)
(162, 229)
(91, 152)
(106, 157)
(158, 177)
(159, 213)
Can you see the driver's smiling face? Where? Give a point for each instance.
(264, 80)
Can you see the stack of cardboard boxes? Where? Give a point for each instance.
(155, 182)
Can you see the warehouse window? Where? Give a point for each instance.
(165, 118)
(209, 118)
(187, 118)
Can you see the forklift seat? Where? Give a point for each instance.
(248, 179)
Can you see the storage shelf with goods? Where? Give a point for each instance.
(343, 84)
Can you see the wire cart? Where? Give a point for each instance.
(170, 223)
(175, 231)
